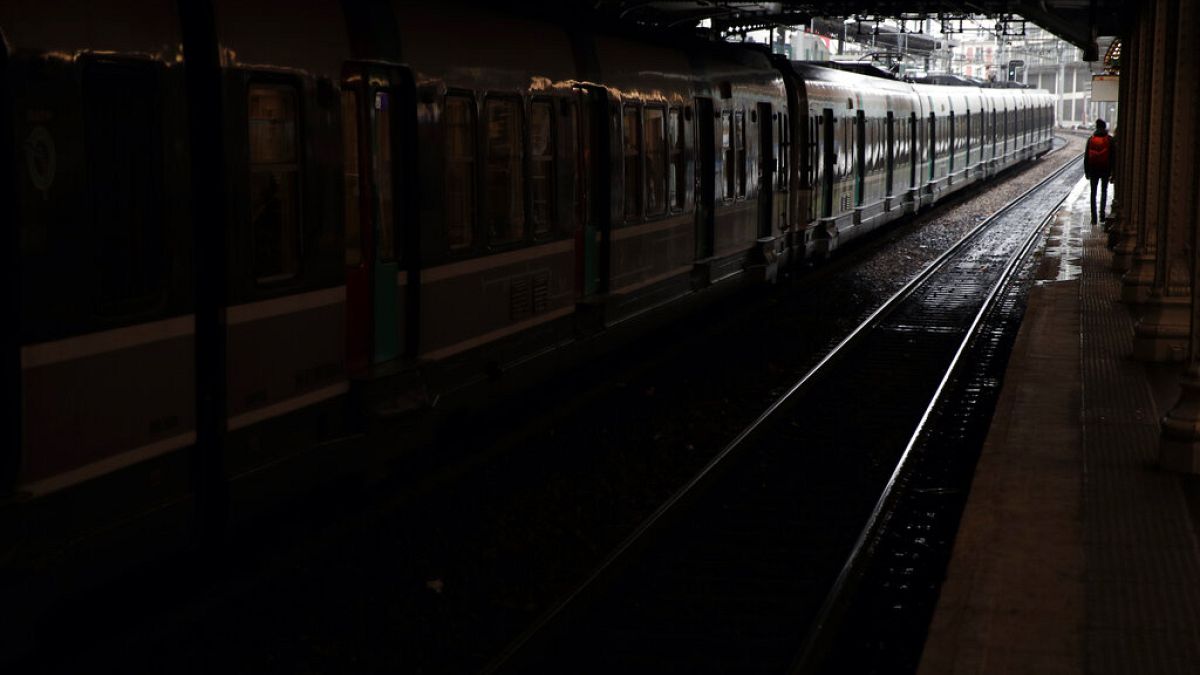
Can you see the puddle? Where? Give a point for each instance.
(1071, 227)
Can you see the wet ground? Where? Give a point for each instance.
(434, 570)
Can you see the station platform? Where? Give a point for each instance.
(1076, 552)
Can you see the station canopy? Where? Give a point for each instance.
(1079, 22)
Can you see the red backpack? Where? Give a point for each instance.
(1097, 153)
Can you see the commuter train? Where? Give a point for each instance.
(232, 222)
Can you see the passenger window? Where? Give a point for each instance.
(656, 162)
(785, 149)
(504, 206)
(739, 141)
(351, 212)
(574, 174)
(541, 150)
(727, 149)
(123, 137)
(633, 163)
(676, 181)
(460, 171)
(274, 181)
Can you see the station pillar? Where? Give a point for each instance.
(1121, 172)
(1131, 143)
(1153, 129)
(1162, 332)
(1179, 447)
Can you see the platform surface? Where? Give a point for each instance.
(1076, 553)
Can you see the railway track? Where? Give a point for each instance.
(736, 569)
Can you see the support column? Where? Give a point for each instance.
(1121, 173)
(1179, 448)
(1162, 332)
(1131, 142)
(1135, 285)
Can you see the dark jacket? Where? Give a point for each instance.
(1100, 156)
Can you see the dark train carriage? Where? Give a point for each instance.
(648, 237)
(96, 105)
(860, 145)
(481, 263)
(744, 228)
(284, 294)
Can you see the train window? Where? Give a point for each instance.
(633, 162)
(541, 161)
(656, 161)
(739, 143)
(504, 189)
(381, 168)
(677, 179)
(274, 181)
(351, 211)
(459, 119)
(572, 204)
(785, 150)
(727, 150)
(814, 155)
(123, 136)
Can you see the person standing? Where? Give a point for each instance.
(1097, 164)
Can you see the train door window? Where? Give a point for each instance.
(934, 141)
(677, 177)
(727, 152)
(352, 196)
(633, 162)
(504, 189)
(572, 205)
(890, 141)
(123, 138)
(382, 160)
(785, 151)
(460, 170)
(953, 124)
(656, 160)
(860, 159)
(739, 143)
(912, 140)
(813, 174)
(967, 136)
(541, 166)
(273, 111)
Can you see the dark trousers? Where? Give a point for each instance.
(1103, 180)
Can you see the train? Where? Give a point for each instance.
(239, 229)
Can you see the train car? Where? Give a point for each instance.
(862, 149)
(96, 111)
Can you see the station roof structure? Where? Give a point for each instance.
(1080, 22)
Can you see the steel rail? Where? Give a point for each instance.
(816, 642)
(721, 460)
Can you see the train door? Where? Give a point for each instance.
(827, 159)
(706, 184)
(766, 179)
(891, 151)
(591, 238)
(376, 123)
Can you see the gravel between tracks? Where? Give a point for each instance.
(440, 576)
